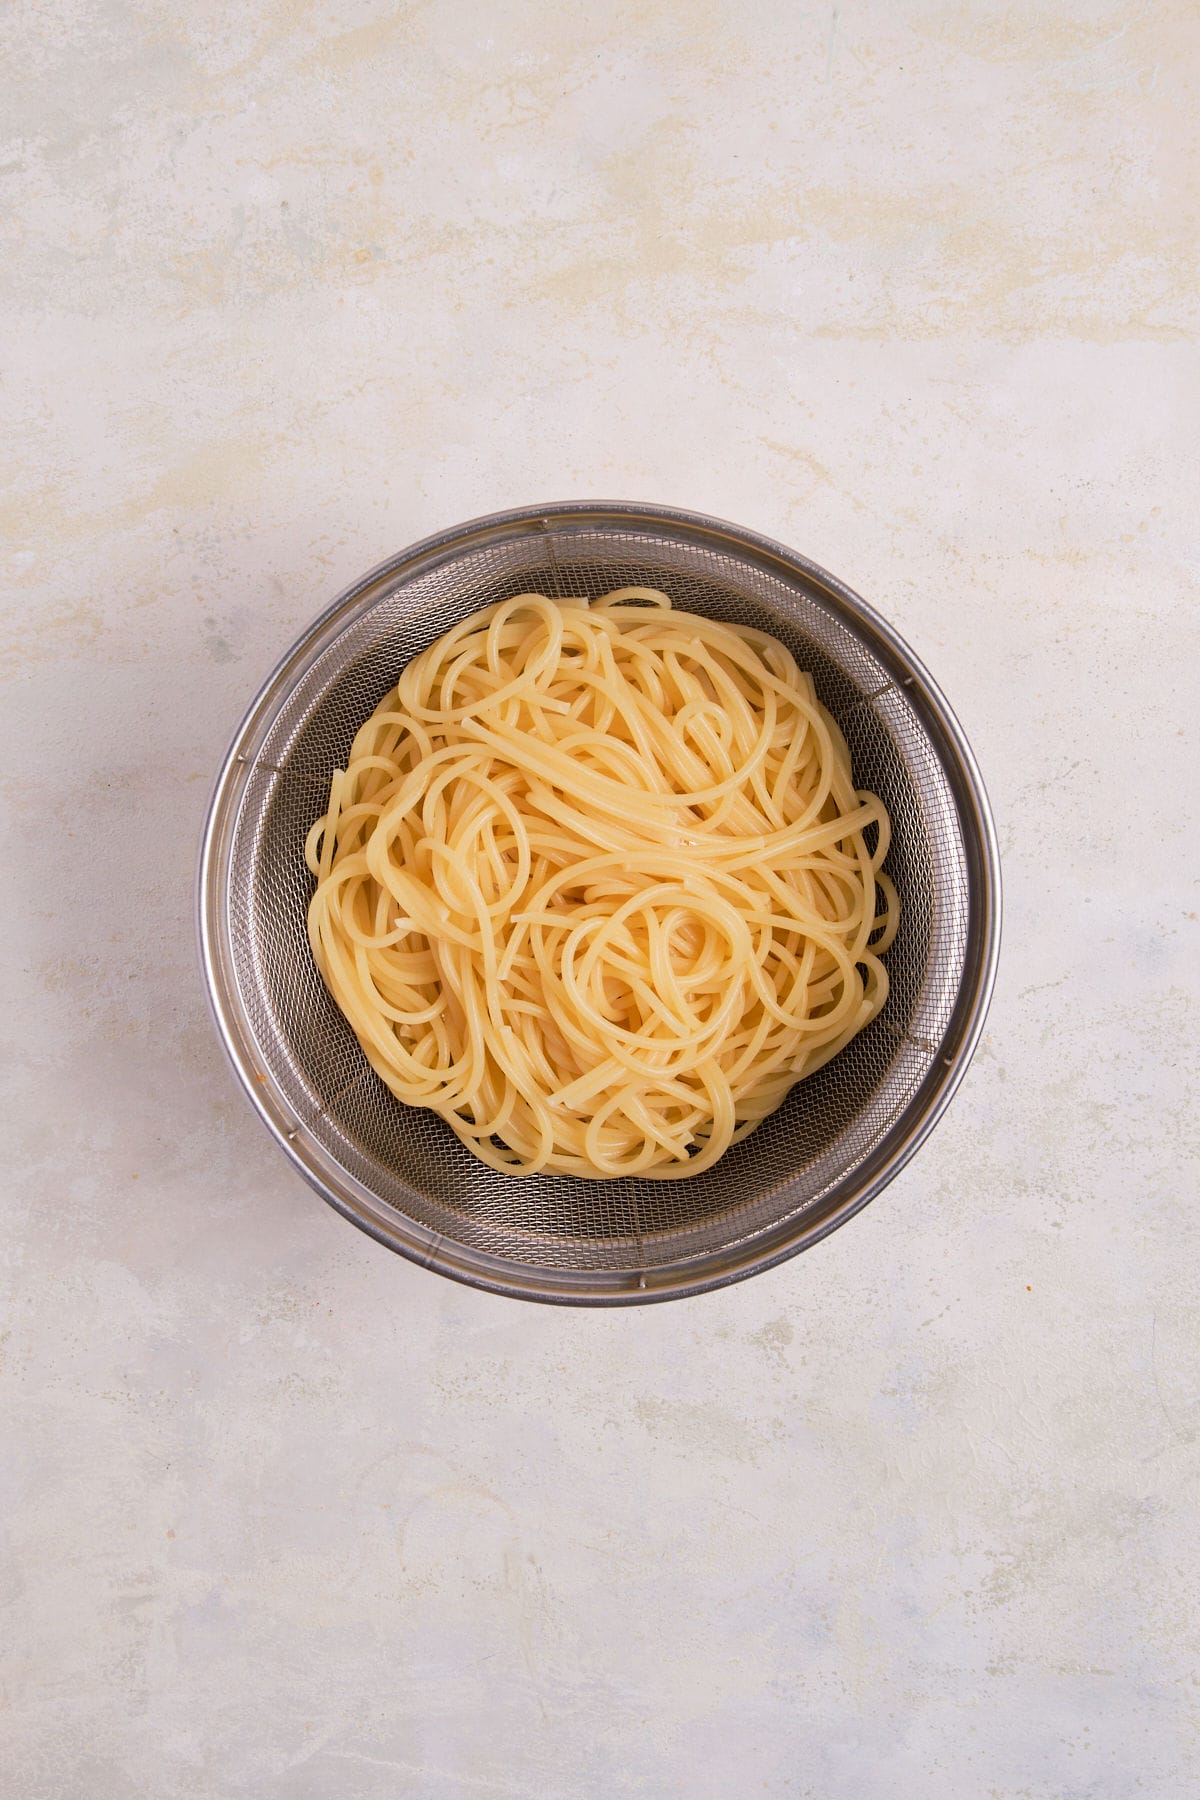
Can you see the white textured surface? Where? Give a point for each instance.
(911, 287)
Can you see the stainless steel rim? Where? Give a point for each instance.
(763, 1249)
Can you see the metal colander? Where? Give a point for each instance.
(399, 1172)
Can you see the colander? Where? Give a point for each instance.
(399, 1173)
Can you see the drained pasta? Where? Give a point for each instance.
(596, 886)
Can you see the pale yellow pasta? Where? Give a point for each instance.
(596, 885)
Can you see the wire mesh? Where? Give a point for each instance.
(408, 1159)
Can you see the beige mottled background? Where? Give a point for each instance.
(911, 286)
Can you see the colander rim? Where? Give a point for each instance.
(709, 1270)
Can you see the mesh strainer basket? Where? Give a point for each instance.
(399, 1172)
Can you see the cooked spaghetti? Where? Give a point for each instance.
(596, 886)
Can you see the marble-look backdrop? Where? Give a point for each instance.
(911, 286)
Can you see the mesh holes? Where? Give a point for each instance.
(408, 1158)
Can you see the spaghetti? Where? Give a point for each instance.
(596, 886)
